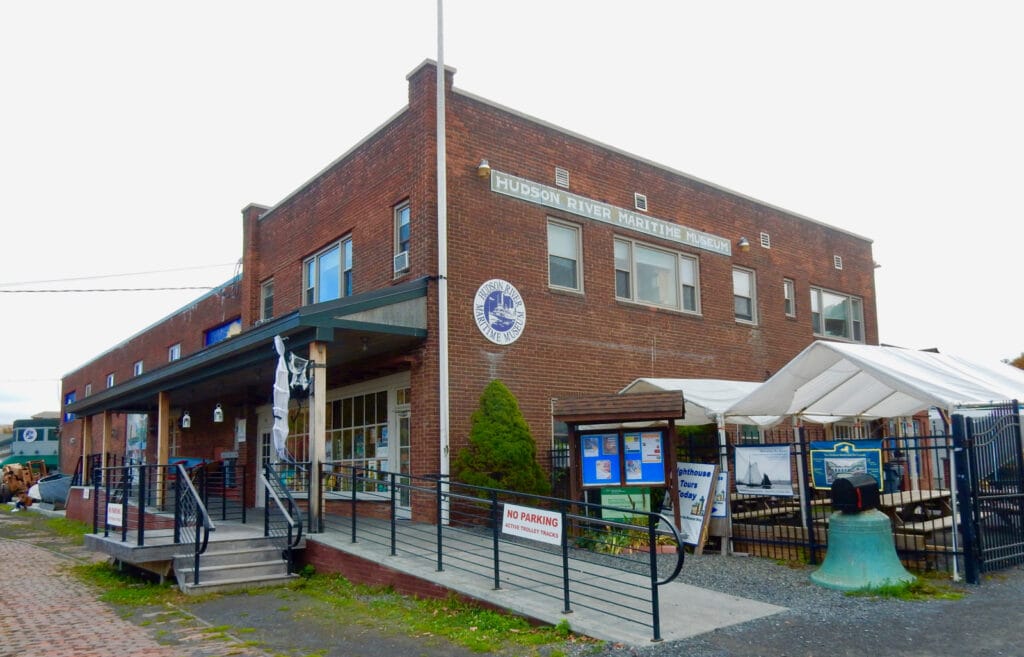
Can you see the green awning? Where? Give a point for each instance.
(52, 461)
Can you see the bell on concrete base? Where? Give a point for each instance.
(861, 553)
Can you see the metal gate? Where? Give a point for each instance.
(990, 486)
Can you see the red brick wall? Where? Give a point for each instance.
(572, 344)
(186, 326)
(592, 343)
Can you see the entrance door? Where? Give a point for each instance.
(265, 447)
(404, 461)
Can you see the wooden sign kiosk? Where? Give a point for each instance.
(664, 407)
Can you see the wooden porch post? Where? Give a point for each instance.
(86, 450)
(317, 428)
(163, 423)
(105, 442)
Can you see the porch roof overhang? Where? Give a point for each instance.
(364, 329)
(661, 405)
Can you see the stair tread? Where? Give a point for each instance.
(240, 581)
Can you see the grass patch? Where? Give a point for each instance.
(72, 530)
(471, 626)
(919, 589)
(125, 587)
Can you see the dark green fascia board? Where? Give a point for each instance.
(390, 329)
(235, 353)
(326, 314)
(322, 318)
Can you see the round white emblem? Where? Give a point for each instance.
(499, 311)
(28, 435)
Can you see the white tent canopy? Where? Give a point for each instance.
(828, 381)
(706, 400)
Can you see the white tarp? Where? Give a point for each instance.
(828, 381)
(281, 395)
(706, 400)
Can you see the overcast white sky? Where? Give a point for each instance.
(134, 132)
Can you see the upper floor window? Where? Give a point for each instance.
(110, 380)
(88, 389)
(328, 274)
(835, 315)
(222, 331)
(564, 255)
(656, 277)
(173, 352)
(267, 299)
(137, 368)
(744, 295)
(403, 214)
(789, 297)
(69, 399)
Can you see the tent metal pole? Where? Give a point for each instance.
(952, 489)
(723, 460)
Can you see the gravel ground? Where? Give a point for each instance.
(985, 621)
(820, 622)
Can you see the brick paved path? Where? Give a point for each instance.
(46, 611)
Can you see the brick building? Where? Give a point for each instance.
(603, 267)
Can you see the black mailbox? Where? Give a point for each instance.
(855, 492)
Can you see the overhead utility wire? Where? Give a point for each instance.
(138, 273)
(115, 289)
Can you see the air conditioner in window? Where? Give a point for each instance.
(401, 262)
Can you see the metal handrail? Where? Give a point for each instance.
(294, 521)
(185, 490)
(471, 513)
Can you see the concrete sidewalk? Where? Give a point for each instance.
(612, 613)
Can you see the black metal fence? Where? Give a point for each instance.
(557, 552)
(991, 490)
(955, 499)
(148, 495)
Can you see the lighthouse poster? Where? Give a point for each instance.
(764, 470)
(695, 499)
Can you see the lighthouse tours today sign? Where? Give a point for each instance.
(499, 311)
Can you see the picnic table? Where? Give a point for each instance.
(919, 511)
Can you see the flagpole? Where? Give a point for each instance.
(442, 267)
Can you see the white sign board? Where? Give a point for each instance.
(115, 517)
(719, 509)
(695, 495)
(535, 524)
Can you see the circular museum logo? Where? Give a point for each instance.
(499, 311)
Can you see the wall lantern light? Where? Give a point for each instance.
(483, 169)
(186, 420)
(218, 414)
(744, 244)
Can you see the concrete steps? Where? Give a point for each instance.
(233, 565)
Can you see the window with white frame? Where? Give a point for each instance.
(564, 256)
(88, 389)
(357, 430)
(789, 297)
(836, 315)
(403, 214)
(328, 275)
(267, 300)
(137, 368)
(110, 380)
(656, 277)
(173, 352)
(744, 295)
